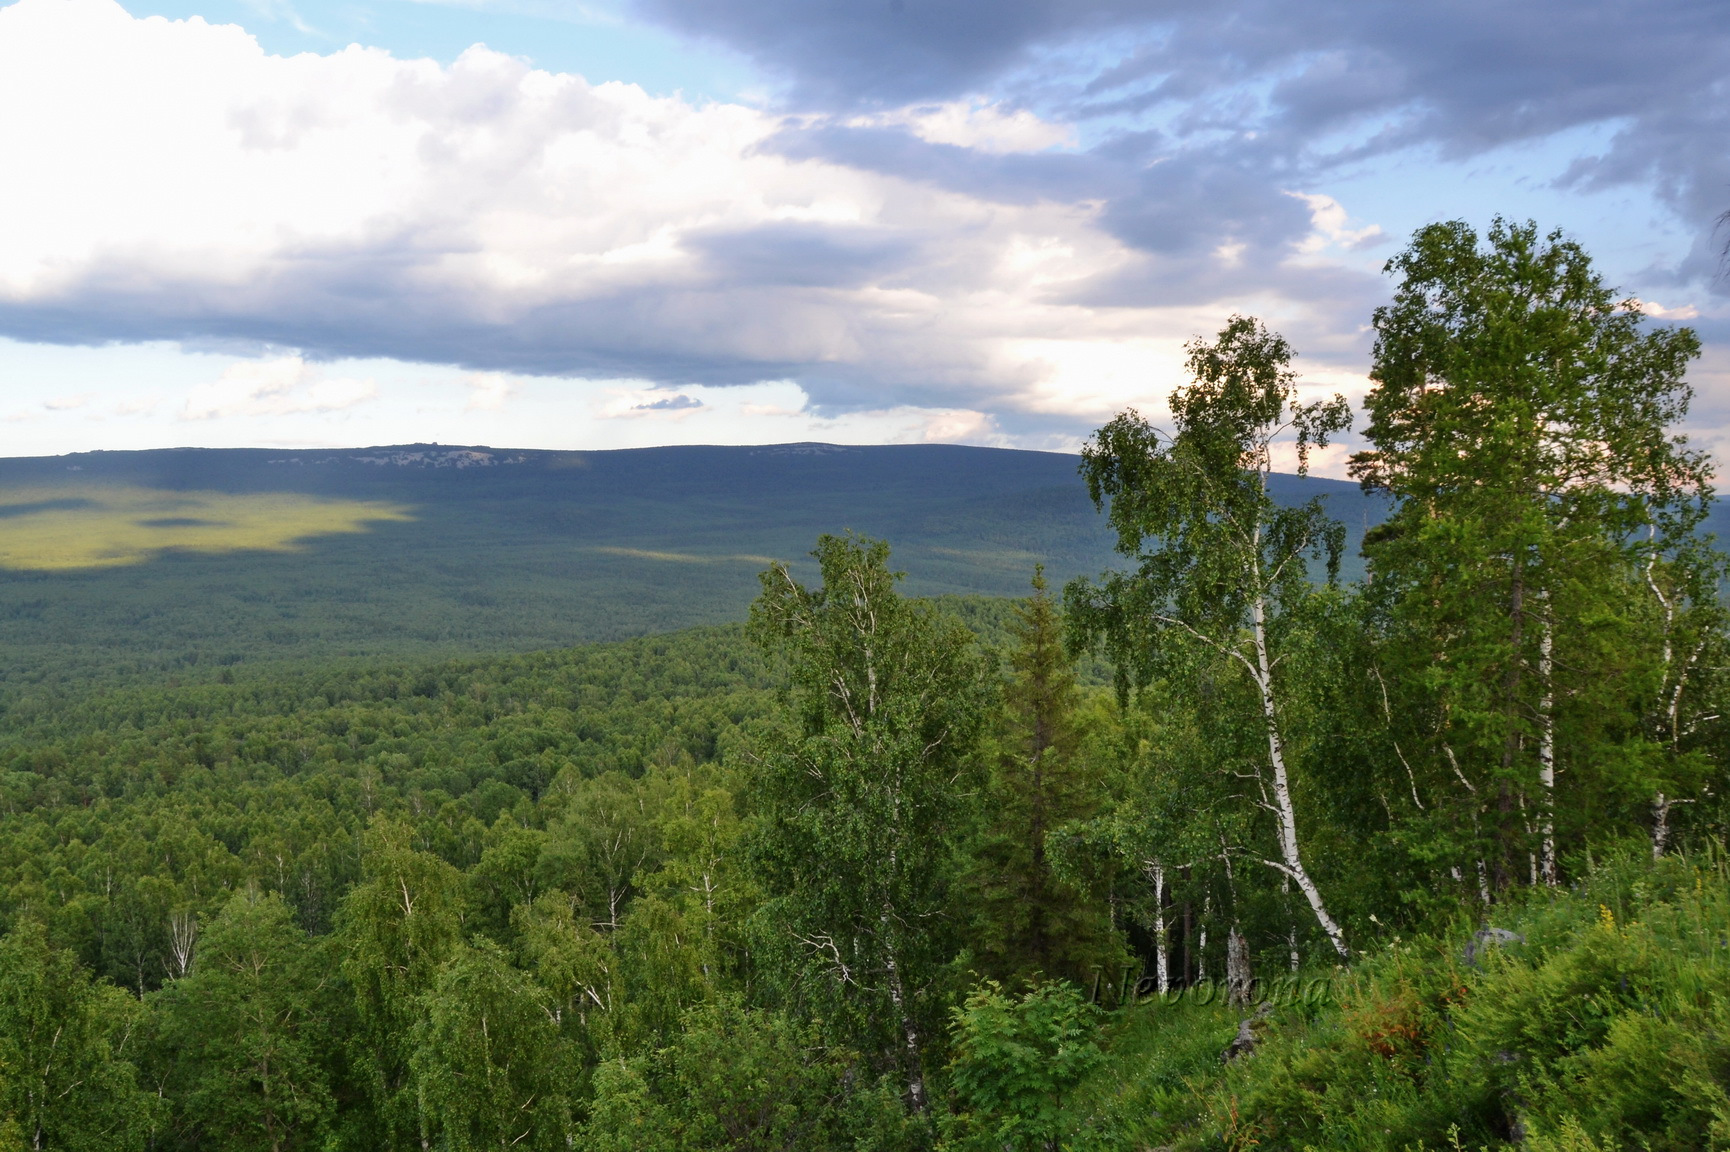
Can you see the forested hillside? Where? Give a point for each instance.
(185, 562)
(1433, 859)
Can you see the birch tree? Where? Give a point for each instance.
(245, 1033)
(1522, 417)
(66, 1077)
(1221, 567)
(861, 788)
(490, 1065)
(394, 929)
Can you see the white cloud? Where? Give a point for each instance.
(280, 387)
(1680, 312)
(976, 124)
(1328, 221)
(677, 402)
(959, 427)
(489, 391)
(646, 403)
(137, 406)
(490, 215)
(516, 224)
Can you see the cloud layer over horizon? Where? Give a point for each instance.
(1008, 216)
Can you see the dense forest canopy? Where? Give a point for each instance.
(1221, 848)
(196, 563)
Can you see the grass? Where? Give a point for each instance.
(55, 529)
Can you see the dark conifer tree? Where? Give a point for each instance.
(1031, 920)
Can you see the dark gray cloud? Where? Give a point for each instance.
(803, 255)
(721, 330)
(1011, 178)
(1318, 84)
(1479, 71)
(890, 52)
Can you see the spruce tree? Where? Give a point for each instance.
(1030, 920)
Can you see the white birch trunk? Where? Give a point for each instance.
(1291, 935)
(1161, 962)
(910, 1034)
(1201, 941)
(1547, 756)
(1287, 815)
(182, 934)
(1661, 823)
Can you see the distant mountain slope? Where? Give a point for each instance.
(432, 549)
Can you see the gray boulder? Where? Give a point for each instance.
(1486, 938)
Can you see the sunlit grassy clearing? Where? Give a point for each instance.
(47, 529)
(681, 557)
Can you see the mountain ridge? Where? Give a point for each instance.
(445, 550)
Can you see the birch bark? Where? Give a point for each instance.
(1291, 859)
(1161, 945)
(1547, 755)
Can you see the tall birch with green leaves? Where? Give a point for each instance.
(861, 787)
(1221, 567)
(1522, 417)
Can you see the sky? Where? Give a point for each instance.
(619, 223)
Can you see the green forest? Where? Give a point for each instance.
(1279, 833)
(188, 564)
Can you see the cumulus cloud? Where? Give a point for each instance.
(959, 427)
(1653, 308)
(488, 391)
(282, 386)
(1331, 228)
(1007, 218)
(504, 219)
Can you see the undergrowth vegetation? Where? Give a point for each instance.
(1594, 1018)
